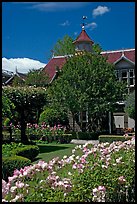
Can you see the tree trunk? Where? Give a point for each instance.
(73, 116)
(24, 138)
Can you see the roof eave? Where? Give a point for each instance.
(125, 58)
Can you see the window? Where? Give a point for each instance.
(124, 75)
(131, 77)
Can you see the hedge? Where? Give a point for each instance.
(63, 138)
(29, 152)
(87, 135)
(111, 138)
(9, 164)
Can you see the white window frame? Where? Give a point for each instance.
(125, 77)
(132, 77)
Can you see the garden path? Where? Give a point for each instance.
(75, 141)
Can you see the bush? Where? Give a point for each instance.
(29, 152)
(93, 173)
(9, 164)
(63, 138)
(53, 116)
(111, 138)
(7, 122)
(86, 135)
(9, 149)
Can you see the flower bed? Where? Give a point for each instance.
(104, 172)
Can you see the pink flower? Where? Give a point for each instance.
(121, 180)
(19, 184)
(95, 190)
(101, 188)
(74, 166)
(5, 188)
(16, 172)
(83, 161)
(12, 178)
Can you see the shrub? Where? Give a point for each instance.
(9, 149)
(111, 138)
(9, 164)
(29, 152)
(85, 135)
(6, 122)
(53, 116)
(93, 173)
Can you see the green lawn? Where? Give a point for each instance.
(51, 150)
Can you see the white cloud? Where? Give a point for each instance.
(66, 23)
(23, 64)
(57, 6)
(100, 10)
(91, 25)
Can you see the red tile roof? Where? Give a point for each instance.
(53, 64)
(83, 36)
(113, 56)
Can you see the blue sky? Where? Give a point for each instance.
(31, 29)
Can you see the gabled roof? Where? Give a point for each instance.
(9, 79)
(83, 37)
(54, 64)
(113, 56)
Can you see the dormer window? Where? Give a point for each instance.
(131, 77)
(124, 76)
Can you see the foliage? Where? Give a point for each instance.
(9, 164)
(87, 82)
(130, 105)
(96, 48)
(7, 107)
(18, 81)
(9, 149)
(93, 173)
(64, 46)
(58, 138)
(36, 78)
(52, 116)
(28, 102)
(29, 151)
(6, 122)
(111, 138)
(86, 135)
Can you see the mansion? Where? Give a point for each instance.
(124, 62)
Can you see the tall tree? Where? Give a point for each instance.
(36, 78)
(7, 107)
(87, 82)
(64, 46)
(28, 102)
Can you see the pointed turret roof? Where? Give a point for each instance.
(83, 37)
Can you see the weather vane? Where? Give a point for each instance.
(83, 24)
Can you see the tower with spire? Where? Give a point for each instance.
(83, 41)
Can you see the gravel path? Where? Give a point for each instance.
(74, 141)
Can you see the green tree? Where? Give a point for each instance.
(130, 105)
(87, 83)
(64, 46)
(37, 78)
(96, 48)
(18, 81)
(7, 108)
(28, 102)
(53, 116)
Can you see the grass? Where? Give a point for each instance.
(51, 150)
